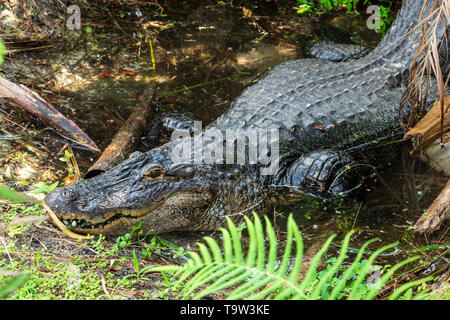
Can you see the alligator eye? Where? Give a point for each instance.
(153, 173)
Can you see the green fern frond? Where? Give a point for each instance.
(260, 275)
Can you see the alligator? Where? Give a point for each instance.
(326, 120)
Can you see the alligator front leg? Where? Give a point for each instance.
(324, 173)
(338, 52)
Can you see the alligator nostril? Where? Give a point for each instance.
(68, 195)
(60, 198)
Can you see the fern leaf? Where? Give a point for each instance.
(260, 275)
(394, 295)
(341, 283)
(355, 294)
(317, 291)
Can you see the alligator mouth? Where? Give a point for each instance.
(77, 223)
(84, 224)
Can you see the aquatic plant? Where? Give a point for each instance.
(261, 275)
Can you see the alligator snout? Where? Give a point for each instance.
(60, 197)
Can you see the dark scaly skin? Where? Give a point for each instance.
(336, 52)
(331, 117)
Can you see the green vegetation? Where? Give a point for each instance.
(12, 284)
(3, 52)
(352, 6)
(261, 272)
(324, 6)
(110, 270)
(42, 187)
(259, 276)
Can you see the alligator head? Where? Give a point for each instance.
(145, 188)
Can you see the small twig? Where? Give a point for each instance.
(354, 221)
(7, 252)
(105, 289)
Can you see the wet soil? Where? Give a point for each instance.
(202, 55)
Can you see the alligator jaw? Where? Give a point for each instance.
(85, 225)
(82, 223)
(82, 226)
(155, 218)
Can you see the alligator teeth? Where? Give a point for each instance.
(78, 223)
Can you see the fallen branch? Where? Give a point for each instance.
(31, 102)
(436, 214)
(126, 139)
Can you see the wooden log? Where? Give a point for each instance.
(31, 102)
(127, 138)
(436, 214)
(426, 138)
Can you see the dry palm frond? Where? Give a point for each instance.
(426, 60)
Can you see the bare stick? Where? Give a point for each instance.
(31, 102)
(126, 139)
